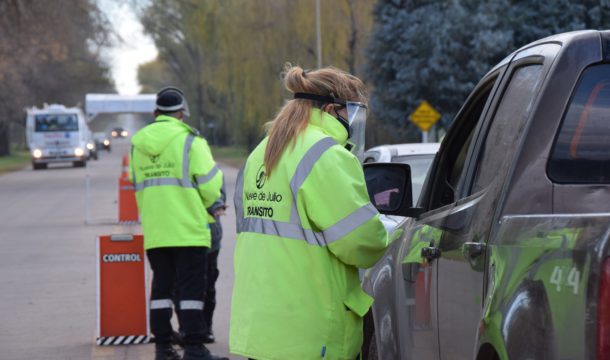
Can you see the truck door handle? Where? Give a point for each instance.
(472, 250)
(430, 253)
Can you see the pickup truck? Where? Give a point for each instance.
(506, 255)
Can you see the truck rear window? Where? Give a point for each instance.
(56, 122)
(581, 153)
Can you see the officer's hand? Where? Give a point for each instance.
(221, 211)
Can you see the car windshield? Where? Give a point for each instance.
(56, 122)
(420, 164)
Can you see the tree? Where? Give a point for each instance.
(426, 50)
(228, 55)
(154, 75)
(48, 53)
(437, 50)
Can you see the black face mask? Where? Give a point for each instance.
(345, 123)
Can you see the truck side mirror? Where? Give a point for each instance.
(389, 187)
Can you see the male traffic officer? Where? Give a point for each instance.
(212, 272)
(176, 181)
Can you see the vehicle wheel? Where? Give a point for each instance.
(80, 163)
(39, 166)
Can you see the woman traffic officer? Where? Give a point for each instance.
(305, 225)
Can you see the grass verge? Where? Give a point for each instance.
(16, 161)
(230, 155)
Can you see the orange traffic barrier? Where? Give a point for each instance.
(122, 307)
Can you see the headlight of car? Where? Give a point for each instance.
(79, 152)
(106, 142)
(90, 146)
(114, 133)
(37, 153)
(124, 133)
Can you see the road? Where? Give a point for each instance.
(48, 257)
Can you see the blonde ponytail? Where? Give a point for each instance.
(293, 117)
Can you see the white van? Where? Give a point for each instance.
(56, 133)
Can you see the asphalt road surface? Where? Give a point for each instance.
(48, 227)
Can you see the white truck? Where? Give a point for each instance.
(57, 133)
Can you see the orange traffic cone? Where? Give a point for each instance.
(125, 167)
(128, 208)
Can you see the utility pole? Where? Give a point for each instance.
(318, 34)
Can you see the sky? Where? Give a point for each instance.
(134, 49)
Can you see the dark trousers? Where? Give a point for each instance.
(181, 269)
(210, 291)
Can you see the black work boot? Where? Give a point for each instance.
(209, 337)
(166, 352)
(199, 352)
(178, 339)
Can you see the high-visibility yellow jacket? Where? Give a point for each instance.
(176, 180)
(303, 233)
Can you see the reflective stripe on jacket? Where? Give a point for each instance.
(176, 180)
(303, 233)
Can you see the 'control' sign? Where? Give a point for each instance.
(122, 291)
(121, 258)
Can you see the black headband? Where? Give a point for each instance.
(322, 98)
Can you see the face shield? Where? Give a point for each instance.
(356, 119)
(355, 124)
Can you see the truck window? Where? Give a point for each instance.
(507, 125)
(56, 122)
(581, 153)
(453, 160)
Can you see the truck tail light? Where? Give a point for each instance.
(603, 312)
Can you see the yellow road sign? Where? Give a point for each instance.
(424, 116)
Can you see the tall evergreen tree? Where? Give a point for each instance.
(437, 50)
(535, 19)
